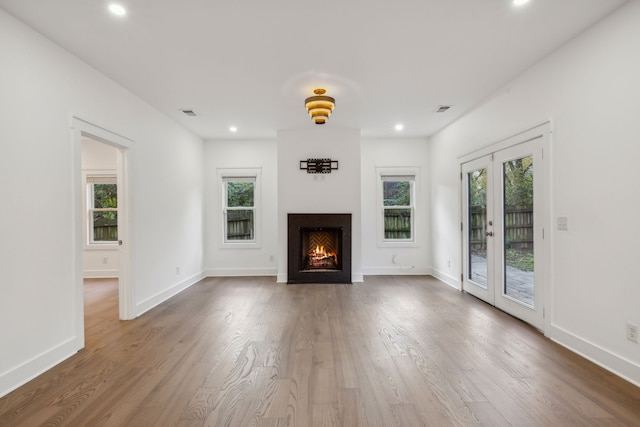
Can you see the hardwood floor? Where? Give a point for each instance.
(392, 351)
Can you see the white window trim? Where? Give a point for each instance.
(224, 174)
(382, 172)
(90, 176)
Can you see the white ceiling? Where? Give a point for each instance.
(251, 63)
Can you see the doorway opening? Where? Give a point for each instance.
(100, 254)
(101, 214)
(504, 215)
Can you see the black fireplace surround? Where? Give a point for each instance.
(334, 230)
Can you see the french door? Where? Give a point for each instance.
(503, 228)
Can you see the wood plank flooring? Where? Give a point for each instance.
(392, 351)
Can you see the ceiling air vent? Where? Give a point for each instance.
(189, 112)
(442, 108)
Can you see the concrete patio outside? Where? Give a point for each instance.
(520, 284)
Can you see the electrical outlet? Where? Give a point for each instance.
(632, 332)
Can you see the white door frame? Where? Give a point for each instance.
(83, 128)
(540, 132)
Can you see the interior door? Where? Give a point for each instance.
(503, 207)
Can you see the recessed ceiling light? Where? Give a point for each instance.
(117, 9)
(399, 127)
(520, 2)
(233, 129)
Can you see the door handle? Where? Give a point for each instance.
(489, 233)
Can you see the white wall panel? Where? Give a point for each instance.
(42, 87)
(337, 192)
(242, 261)
(413, 258)
(590, 90)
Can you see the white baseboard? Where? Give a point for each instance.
(604, 358)
(146, 305)
(357, 277)
(445, 278)
(239, 272)
(25, 372)
(100, 274)
(396, 271)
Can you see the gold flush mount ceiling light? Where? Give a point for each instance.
(319, 106)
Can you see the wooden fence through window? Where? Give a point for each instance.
(105, 233)
(518, 228)
(397, 224)
(240, 229)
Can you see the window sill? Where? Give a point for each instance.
(240, 245)
(398, 244)
(101, 246)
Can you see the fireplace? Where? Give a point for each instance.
(319, 248)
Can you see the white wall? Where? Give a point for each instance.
(242, 261)
(414, 258)
(337, 192)
(314, 193)
(98, 260)
(42, 86)
(590, 90)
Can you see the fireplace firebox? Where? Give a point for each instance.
(319, 248)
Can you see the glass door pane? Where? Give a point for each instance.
(477, 229)
(518, 253)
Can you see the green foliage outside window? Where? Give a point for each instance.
(478, 188)
(518, 185)
(240, 194)
(239, 213)
(105, 223)
(396, 193)
(397, 219)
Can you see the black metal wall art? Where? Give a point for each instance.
(318, 165)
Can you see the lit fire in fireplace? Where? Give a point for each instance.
(321, 258)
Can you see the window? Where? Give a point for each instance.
(397, 206)
(102, 198)
(239, 208)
